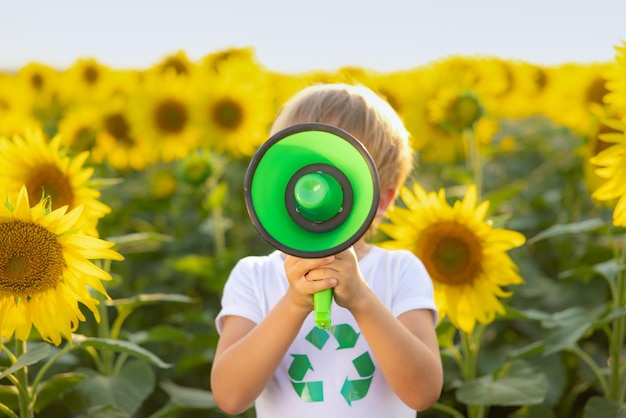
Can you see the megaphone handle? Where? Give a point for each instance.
(321, 306)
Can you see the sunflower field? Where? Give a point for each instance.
(123, 214)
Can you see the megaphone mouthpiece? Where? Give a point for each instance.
(318, 196)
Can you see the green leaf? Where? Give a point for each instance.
(604, 407)
(198, 265)
(185, 397)
(565, 328)
(148, 299)
(122, 347)
(102, 182)
(534, 411)
(140, 242)
(515, 383)
(55, 387)
(446, 332)
(530, 349)
(107, 412)
(608, 269)
(126, 391)
(161, 333)
(9, 397)
(217, 196)
(34, 354)
(567, 229)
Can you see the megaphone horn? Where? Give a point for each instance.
(312, 190)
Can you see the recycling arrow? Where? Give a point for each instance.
(345, 335)
(353, 390)
(309, 391)
(313, 391)
(300, 365)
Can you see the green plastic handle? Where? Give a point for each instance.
(321, 307)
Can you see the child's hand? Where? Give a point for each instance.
(302, 284)
(350, 285)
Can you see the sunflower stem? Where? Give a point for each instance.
(41, 373)
(104, 331)
(220, 240)
(164, 412)
(617, 335)
(473, 160)
(587, 359)
(9, 353)
(448, 410)
(470, 346)
(22, 378)
(116, 328)
(7, 411)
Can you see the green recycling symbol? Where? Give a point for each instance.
(313, 391)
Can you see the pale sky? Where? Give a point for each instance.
(293, 36)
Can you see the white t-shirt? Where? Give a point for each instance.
(329, 372)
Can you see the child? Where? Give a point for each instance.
(380, 359)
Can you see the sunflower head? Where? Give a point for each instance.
(456, 111)
(196, 168)
(42, 166)
(177, 62)
(45, 268)
(464, 255)
(610, 162)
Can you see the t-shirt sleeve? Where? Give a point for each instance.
(414, 287)
(240, 296)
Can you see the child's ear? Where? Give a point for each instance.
(386, 198)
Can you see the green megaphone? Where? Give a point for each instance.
(312, 190)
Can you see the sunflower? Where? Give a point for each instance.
(86, 80)
(160, 112)
(77, 127)
(40, 166)
(178, 62)
(616, 83)
(221, 61)
(117, 144)
(45, 272)
(447, 98)
(464, 255)
(234, 108)
(13, 96)
(17, 123)
(41, 81)
(454, 110)
(611, 163)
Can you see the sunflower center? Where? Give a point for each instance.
(463, 112)
(49, 180)
(36, 80)
(451, 253)
(83, 138)
(177, 65)
(117, 126)
(31, 259)
(227, 114)
(90, 75)
(597, 90)
(541, 80)
(171, 116)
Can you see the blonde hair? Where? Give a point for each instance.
(365, 115)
